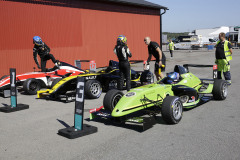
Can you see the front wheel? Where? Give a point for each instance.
(93, 89)
(220, 89)
(172, 109)
(31, 86)
(111, 99)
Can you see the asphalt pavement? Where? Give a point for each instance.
(208, 132)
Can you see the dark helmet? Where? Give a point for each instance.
(37, 40)
(172, 77)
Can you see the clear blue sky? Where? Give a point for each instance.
(188, 15)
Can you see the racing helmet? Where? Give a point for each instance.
(37, 40)
(122, 39)
(172, 77)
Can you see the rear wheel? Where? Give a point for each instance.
(5, 76)
(111, 99)
(31, 86)
(220, 89)
(172, 109)
(93, 89)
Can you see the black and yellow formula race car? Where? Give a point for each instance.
(95, 82)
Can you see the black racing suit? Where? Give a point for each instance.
(44, 53)
(122, 52)
(152, 51)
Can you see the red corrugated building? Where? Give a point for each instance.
(74, 29)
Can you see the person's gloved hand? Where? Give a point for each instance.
(146, 66)
(56, 64)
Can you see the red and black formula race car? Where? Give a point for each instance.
(34, 81)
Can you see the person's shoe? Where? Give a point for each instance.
(57, 64)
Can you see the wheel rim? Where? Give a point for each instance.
(115, 100)
(95, 89)
(112, 84)
(33, 86)
(225, 90)
(177, 110)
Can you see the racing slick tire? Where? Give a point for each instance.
(31, 86)
(220, 89)
(111, 99)
(55, 81)
(172, 110)
(93, 89)
(5, 76)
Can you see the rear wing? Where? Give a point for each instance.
(78, 63)
(111, 62)
(203, 66)
(93, 65)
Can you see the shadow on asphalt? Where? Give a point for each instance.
(128, 125)
(5, 105)
(63, 123)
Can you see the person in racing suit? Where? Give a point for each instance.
(154, 49)
(40, 48)
(122, 51)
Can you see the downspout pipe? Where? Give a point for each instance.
(161, 26)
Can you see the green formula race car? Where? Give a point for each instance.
(161, 97)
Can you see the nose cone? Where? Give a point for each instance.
(127, 101)
(116, 113)
(132, 101)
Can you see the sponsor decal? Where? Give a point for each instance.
(103, 114)
(192, 99)
(136, 120)
(91, 77)
(130, 94)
